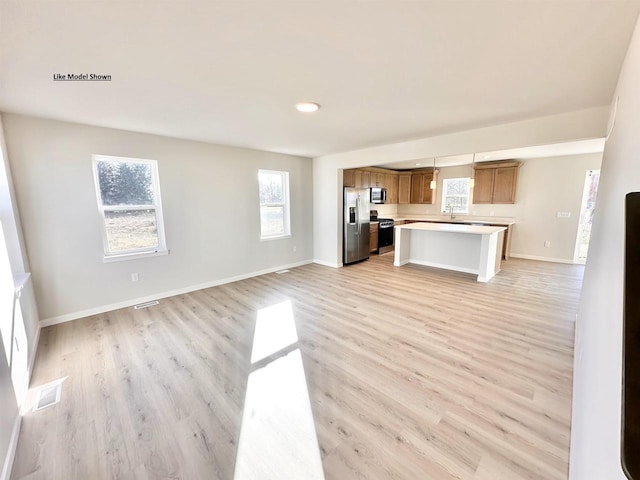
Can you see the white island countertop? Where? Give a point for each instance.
(452, 227)
(456, 219)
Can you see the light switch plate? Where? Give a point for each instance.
(563, 214)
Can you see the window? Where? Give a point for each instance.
(274, 204)
(128, 193)
(455, 193)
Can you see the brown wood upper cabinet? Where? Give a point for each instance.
(374, 177)
(496, 182)
(363, 179)
(380, 180)
(391, 184)
(421, 187)
(404, 188)
(349, 178)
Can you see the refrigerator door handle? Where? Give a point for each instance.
(357, 215)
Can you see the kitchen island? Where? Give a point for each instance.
(467, 220)
(464, 248)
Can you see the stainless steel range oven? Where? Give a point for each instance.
(385, 235)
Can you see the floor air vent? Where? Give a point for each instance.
(146, 304)
(47, 396)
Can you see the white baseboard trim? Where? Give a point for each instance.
(541, 259)
(327, 264)
(192, 288)
(11, 452)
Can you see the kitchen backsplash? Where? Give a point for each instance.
(494, 210)
(386, 210)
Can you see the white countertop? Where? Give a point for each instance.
(457, 219)
(452, 228)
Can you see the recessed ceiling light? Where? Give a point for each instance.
(307, 107)
(418, 164)
(486, 156)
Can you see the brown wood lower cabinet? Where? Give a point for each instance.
(373, 237)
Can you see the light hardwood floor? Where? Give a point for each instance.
(411, 373)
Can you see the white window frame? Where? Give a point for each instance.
(161, 248)
(445, 196)
(286, 204)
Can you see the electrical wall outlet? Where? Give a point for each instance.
(547, 244)
(295, 249)
(134, 277)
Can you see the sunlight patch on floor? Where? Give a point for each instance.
(275, 330)
(278, 438)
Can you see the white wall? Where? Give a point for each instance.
(585, 124)
(13, 236)
(210, 202)
(595, 435)
(548, 186)
(8, 413)
(12, 240)
(545, 187)
(9, 214)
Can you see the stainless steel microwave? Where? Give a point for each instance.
(378, 195)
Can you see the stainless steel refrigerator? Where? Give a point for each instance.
(356, 225)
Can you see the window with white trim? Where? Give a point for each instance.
(128, 193)
(455, 194)
(274, 204)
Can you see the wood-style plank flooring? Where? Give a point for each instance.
(410, 373)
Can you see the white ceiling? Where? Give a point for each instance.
(230, 72)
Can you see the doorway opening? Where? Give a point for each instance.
(589, 195)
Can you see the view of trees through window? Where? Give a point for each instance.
(274, 213)
(124, 183)
(128, 202)
(455, 193)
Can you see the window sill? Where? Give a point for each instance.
(278, 237)
(133, 256)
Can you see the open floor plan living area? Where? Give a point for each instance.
(365, 372)
(287, 240)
